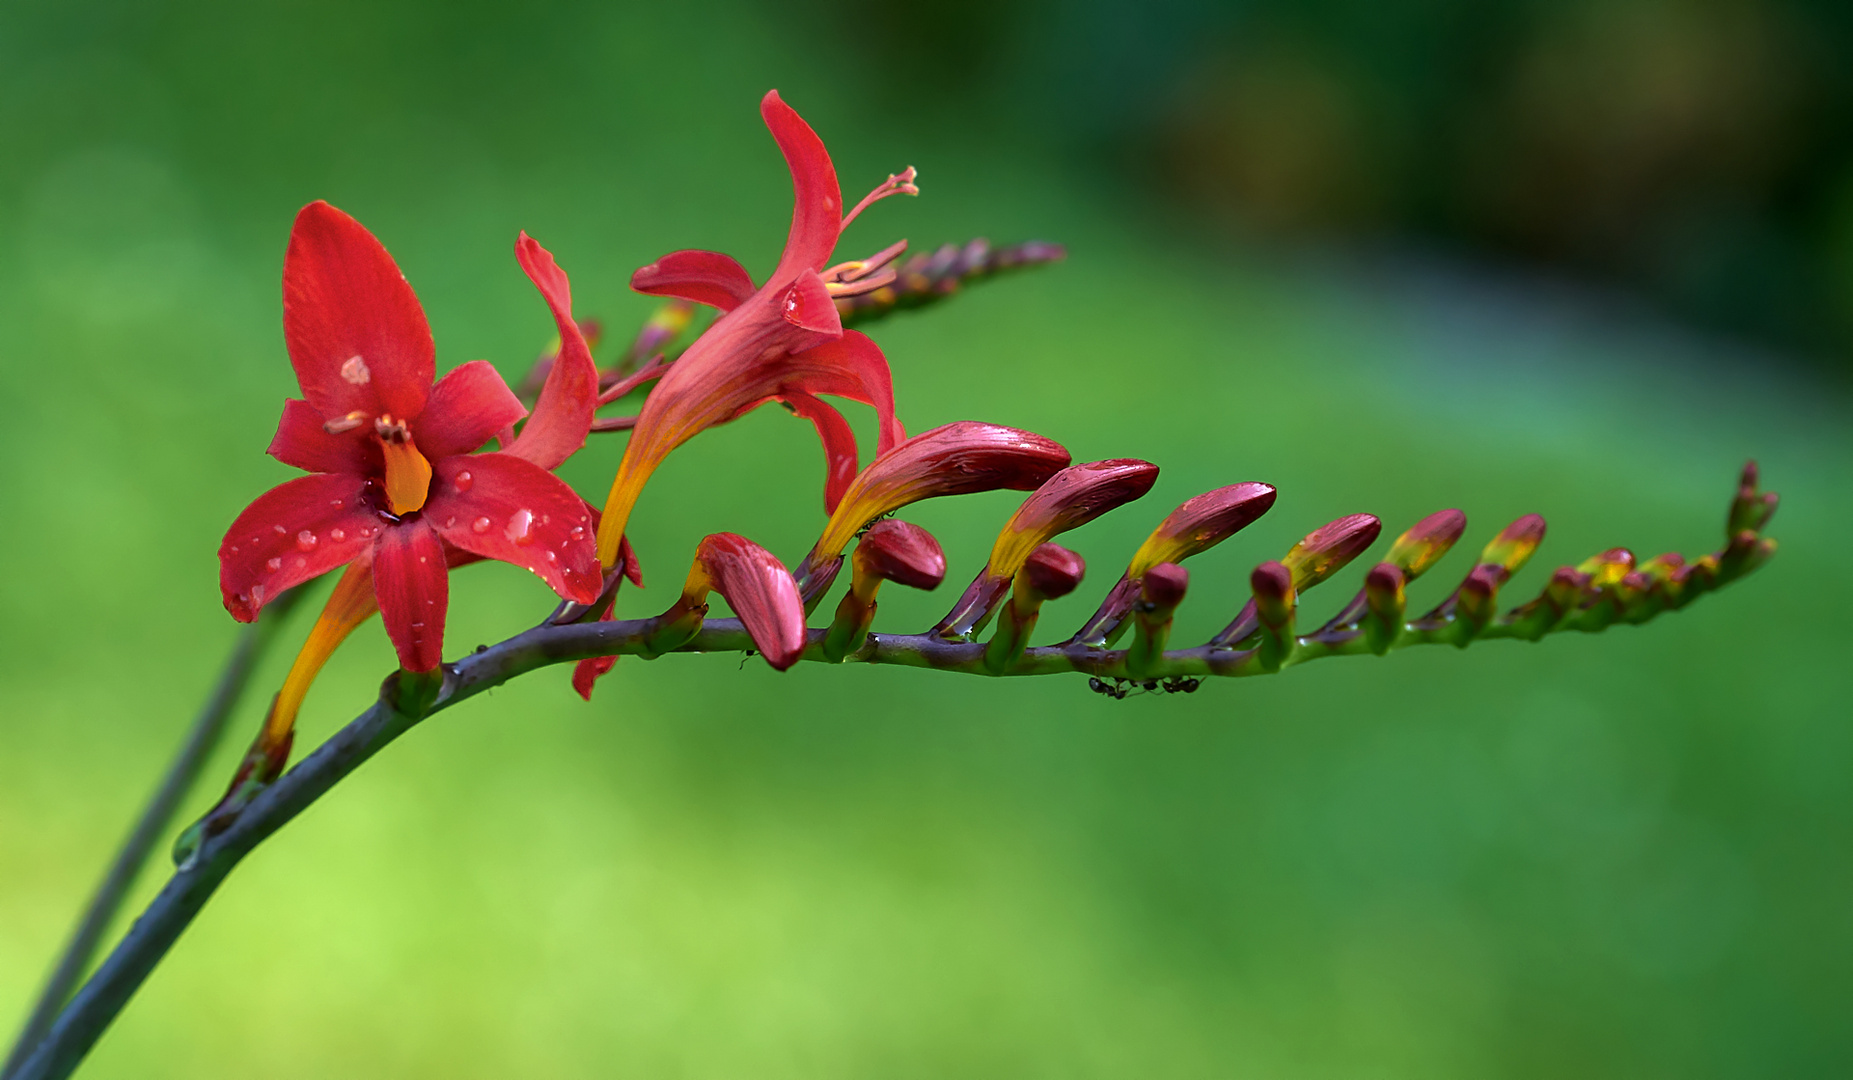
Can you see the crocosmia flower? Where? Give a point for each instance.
(394, 484)
(781, 340)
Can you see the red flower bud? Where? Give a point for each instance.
(901, 552)
(1328, 548)
(1426, 542)
(1052, 571)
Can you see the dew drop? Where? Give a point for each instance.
(480, 525)
(337, 535)
(281, 531)
(275, 564)
(551, 557)
(464, 480)
(305, 540)
(257, 594)
(301, 562)
(521, 527)
(578, 532)
(545, 518)
(234, 549)
(336, 503)
(450, 522)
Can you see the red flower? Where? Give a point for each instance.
(781, 340)
(396, 486)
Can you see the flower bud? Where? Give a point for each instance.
(754, 583)
(1514, 545)
(1273, 610)
(1327, 549)
(1194, 527)
(1069, 499)
(1385, 604)
(1050, 572)
(956, 459)
(890, 551)
(1751, 509)
(1426, 542)
(1161, 590)
(1478, 598)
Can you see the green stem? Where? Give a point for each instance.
(200, 741)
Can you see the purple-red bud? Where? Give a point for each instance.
(1514, 545)
(901, 552)
(1201, 523)
(1052, 571)
(758, 588)
(1328, 548)
(1426, 542)
(1163, 586)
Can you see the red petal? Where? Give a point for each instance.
(518, 512)
(705, 277)
(817, 211)
(356, 334)
(839, 445)
(563, 414)
(293, 532)
(586, 674)
(852, 367)
(467, 407)
(303, 442)
(413, 587)
(807, 305)
(760, 591)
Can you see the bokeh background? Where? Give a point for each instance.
(1579, 258)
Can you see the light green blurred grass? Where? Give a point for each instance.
(1618, 856)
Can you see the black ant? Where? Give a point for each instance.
(1119, 688)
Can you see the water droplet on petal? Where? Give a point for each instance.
(337, 504)
(257, 594)
(551, 557)
(337, 535)
(464, 480)
(281, 531)
(578, 532)
(450, 522)
(275, 564)
(301, 562)
(521, 527)
(305, 540)
(480, 525)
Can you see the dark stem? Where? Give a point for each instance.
(200, 742)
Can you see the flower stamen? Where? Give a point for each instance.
(346, 423)
(902, 184)
(408, 474)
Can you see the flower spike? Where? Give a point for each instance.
(890, 551)
(1050, 573)
(754, 583)
(1196, 526)
(1069, 499)
(957, 459)
(928, 278)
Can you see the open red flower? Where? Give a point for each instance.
(781, 340)
(395, 485)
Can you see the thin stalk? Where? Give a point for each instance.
(155, 818)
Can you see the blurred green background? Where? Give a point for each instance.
(1615, 856)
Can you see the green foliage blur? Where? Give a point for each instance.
(1618, 856)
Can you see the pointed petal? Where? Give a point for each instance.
(705, 277)
(851, 367)
(586, 674)
(291, 533)
(303, 442)
(760, 591)
(563, 413)
(467, 407)
(518, 512)
(808, 305)
(412, 585)
(356, 333)
(839, 444)
(817, 213)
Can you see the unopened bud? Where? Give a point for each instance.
(1327, 549)
(1051, 572)
(891, 550)
(1385, 604)
(1514, 545)
(1161, 591)
(1426, 542)
(1273, 611)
